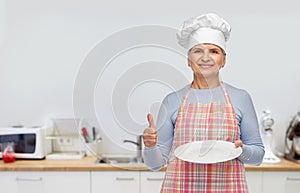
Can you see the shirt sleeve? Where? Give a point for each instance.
(253, 148)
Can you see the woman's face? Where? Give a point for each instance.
(206, 60)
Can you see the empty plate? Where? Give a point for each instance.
(214, 151)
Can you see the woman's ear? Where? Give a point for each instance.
(189, 62)
(224, 62)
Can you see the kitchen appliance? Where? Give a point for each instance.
(292, 140)
(266, 122)
(28, 143)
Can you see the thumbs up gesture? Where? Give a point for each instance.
(150, 134)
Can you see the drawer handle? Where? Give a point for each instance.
(155, 179)
(293, 179)
(29, 179)
(125, 179)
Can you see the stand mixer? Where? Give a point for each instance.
(267, 122)
(292, 140)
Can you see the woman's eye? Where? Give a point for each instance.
(198, 51)
(215, 52)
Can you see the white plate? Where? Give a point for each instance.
(221, 151)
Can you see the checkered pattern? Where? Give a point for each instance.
(196, 122)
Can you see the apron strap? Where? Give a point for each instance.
(226, 95)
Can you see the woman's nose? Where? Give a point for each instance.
(205, 57)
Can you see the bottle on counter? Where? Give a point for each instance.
(8, 154)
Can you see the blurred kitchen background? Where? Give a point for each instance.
(43, 45)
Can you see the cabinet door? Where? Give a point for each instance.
(254, 181)
(44, 182)
(71, 181)
(115, 182)
(21, 182)
(281, 182)
(292, 182)
(7, 182)
(151, 181)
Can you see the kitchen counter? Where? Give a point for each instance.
(88, 164)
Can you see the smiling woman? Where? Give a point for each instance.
(207, 112)
(206, 60)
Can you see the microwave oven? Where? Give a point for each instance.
(28, 143)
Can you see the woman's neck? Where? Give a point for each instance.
(202, 83)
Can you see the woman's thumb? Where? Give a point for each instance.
(150, 121)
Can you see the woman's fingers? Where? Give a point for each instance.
(238, 143)
(150, 134)
(150, 137)
(150, 121)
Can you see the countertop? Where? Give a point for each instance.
(88, 164)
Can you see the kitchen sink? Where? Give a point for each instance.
(117, 159)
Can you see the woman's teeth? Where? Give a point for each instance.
(205, 65)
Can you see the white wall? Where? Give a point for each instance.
(43, 44)
(2, 21)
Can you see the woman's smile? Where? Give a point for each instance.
(205, 66)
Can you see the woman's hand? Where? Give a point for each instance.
(238, 143)
(150, 134)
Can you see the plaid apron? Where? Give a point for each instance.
(197, 122)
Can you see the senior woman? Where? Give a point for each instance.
(207, 109)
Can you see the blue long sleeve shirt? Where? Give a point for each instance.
(253, 149)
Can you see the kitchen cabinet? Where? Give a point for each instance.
(281, 182)
(45, 182)
(254, 181)
(10, 182)
(151, 181)
(84, 176)
(115, 182)
(127, 181)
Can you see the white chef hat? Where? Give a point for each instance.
(207, 28)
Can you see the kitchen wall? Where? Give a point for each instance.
(2, 21)
(54, 63)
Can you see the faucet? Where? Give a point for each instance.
(138, 143)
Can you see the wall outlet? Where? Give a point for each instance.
(65, 141)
